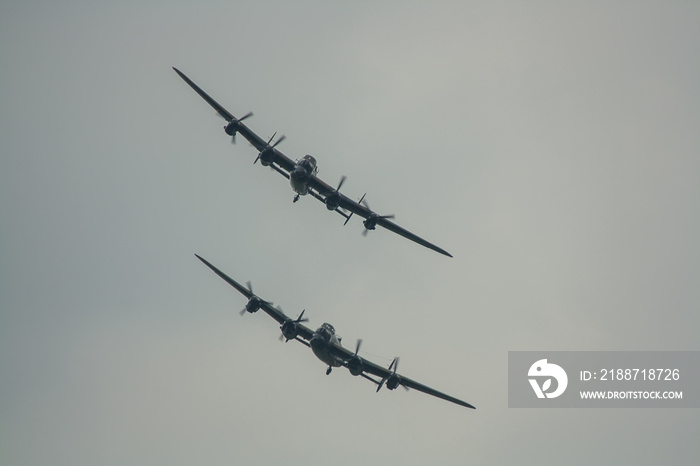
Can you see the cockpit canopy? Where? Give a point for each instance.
(310, 158)
(328, 327)
(308, 163)
(326, 331)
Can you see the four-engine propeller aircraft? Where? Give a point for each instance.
(302, 175)
(325, 344)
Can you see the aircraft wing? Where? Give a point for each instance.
(391, 226)
(276, 313)
(257, 142)
(408, 383)
(363, 211)
(384, 374)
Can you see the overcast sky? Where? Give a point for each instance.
(552, 149)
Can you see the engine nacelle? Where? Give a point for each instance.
(289, 329)
(332, 201)
(267, 156)
(231, 128)
(253, 304)
(355, 365)
(371, 222)
(393, 382)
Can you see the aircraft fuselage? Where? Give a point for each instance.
(303, 170)
(320, 343)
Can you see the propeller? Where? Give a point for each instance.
(234, 126)
(347, 219)
(268, 149)
(332, 199)
(254, 302)
(354, 364)
(371, 222)
(289, 326)
(395, 365)
(357, 346)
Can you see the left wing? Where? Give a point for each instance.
(365, 212)
(276, 313)
(386, 376)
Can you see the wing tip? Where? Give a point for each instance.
(463, 403)
(440, 250)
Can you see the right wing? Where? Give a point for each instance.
(276, 313)
(259, 143)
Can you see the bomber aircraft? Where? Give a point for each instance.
(325, 344)
(302, 174)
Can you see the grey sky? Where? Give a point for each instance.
(552, 149)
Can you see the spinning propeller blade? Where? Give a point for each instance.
(270, 147)
(395, 365)
(247, 115)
